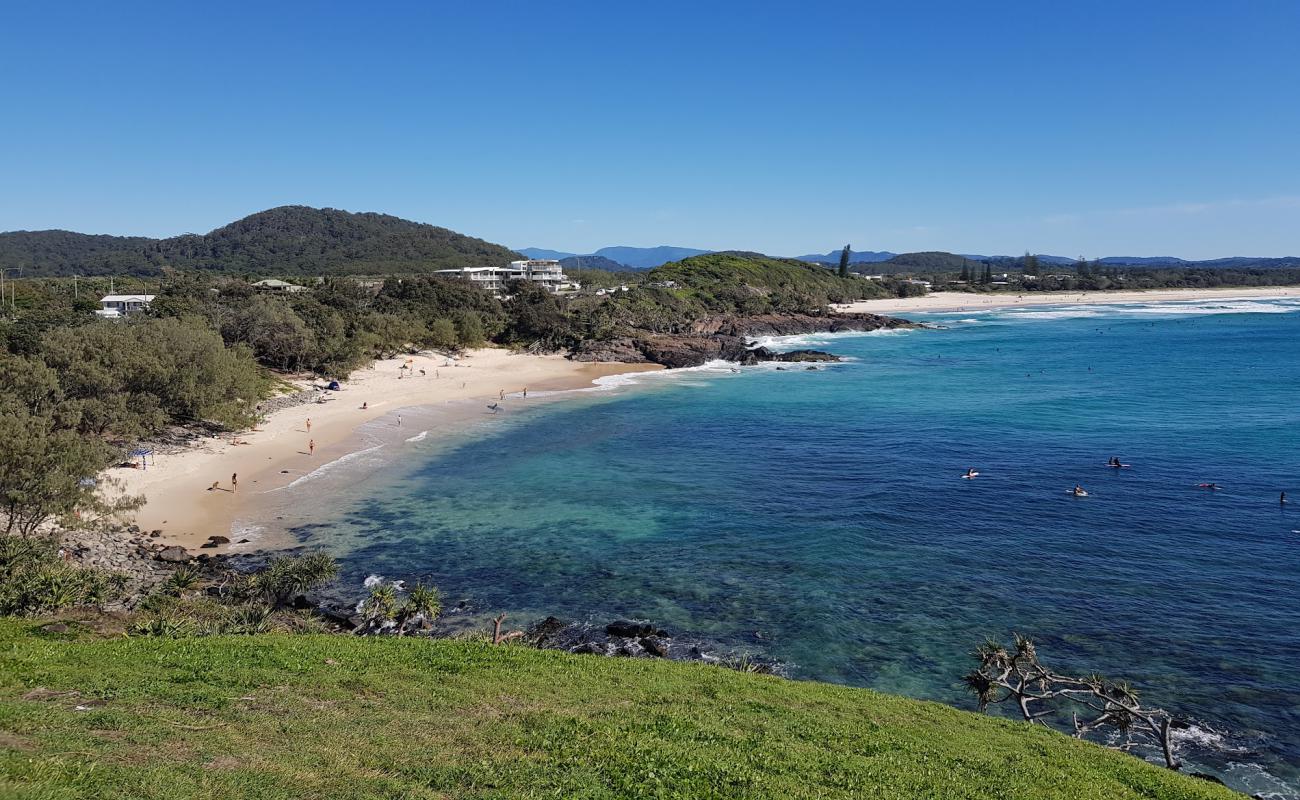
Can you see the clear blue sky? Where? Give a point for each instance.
(1098, 128)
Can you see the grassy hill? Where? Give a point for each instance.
(736, 275)
(289, 240)
(279, 716)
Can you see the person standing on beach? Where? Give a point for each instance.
(399, 420)
(501, 394)
(234, 481)
(311, 447)
(525, 392)
(309, 424)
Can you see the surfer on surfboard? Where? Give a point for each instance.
(1078, 491)
(970, 473)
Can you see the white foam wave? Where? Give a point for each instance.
(239, 531)
(1154, 308)
(326, 468)
(802, 340)
(419, 437)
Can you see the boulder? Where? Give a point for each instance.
(174, 554)
(655, 647)
(219, 539)
(629, 629)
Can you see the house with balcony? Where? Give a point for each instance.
(546, 273)
(115, 306)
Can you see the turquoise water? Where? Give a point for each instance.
(819, 517)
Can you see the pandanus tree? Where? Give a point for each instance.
(422, 601)
(1094, 704)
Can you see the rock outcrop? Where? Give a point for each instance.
(727, 338)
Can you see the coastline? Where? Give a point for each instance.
(972, 301)
(177, 487)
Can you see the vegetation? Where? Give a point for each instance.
(270, 716)
(35, 580)
(289, 240)
(1016, 674)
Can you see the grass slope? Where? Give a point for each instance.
(335, 717)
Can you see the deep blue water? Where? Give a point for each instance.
(818, 517)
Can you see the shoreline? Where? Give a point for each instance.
(180, 500)
(939, 302)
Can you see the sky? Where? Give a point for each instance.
(1092, 129)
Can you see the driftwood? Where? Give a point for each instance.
(1016, 674)
(497, 636)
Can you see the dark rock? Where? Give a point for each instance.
(302, 603)
(545, 631)
(628, 628)
(725, 337)
(590, 648)
(655, 647)
(174, 554)
(219, 539)
(208, 544)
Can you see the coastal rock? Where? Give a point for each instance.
(174, 554)
(628, 629)
(726, 338)
(655, 647)
(219, 539)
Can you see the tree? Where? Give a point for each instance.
(965, 273)
(844, 261)
(379, 607)
(1030, 264)
(1017, 674)
(286, 576)
(48, 471)
(422, 601)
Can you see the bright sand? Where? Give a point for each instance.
(972, 301)
(181, 503)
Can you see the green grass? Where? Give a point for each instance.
(318, 716)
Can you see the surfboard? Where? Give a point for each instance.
(1119, 466)
(1079, 494)
(972, 475)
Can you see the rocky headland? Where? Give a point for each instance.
(728, 338)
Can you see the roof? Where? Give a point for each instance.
(276, 283)
(127, 298)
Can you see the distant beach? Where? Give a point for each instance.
(181, 502)
(975, 301)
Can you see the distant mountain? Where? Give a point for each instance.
(544, 254)
(648, 257)
(593, 262)
(833, 257)
(289, 240)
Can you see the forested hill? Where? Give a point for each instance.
(289, 240)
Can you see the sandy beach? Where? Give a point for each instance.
(178, 487)
(971, 301)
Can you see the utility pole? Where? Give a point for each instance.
(12, 291)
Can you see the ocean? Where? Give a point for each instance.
(819, 517)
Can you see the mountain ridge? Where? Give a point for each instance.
(285, 240)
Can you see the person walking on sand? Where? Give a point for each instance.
(311, 447)
(309, 424)
(399, 420)
(234, 481)
(501, 394)
(525, 392)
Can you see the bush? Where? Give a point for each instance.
(34, 580)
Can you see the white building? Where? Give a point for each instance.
(112, 306)
(547, 273)
(273, 285)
